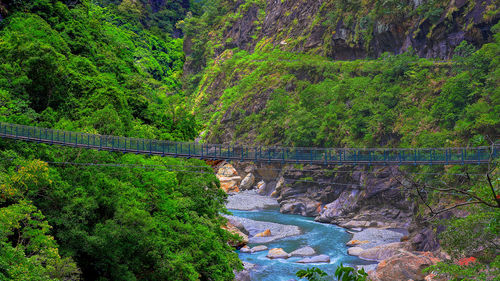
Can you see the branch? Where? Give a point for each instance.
(455, 206)
(451, 189)
(497, 199)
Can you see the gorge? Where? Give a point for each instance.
(345, 75)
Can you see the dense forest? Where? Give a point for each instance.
(173, 70)
(107, 69)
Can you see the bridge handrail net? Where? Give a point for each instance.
(450, 155)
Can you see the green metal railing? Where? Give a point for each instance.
(322, 156)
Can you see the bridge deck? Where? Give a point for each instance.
(320, 156)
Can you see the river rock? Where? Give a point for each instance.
(302, 252)
(316, 259)
(277, 253)
(261, 188)
(404, 266)
(245, 249)
(247, 182)
(356, 242)
(354, 251)
(259, 248)
(265, 233)
(383, 252)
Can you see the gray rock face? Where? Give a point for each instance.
(316, 259)
(376, 202)
(302, 252)
(307, 198)
(429, 37)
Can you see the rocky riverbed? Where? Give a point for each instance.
(379, 233)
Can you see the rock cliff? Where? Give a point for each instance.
(346, 30)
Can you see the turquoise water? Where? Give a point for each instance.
(326, 239)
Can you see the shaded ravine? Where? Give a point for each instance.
(326, 239)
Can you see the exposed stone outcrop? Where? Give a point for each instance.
(375, 201)
(306, 26)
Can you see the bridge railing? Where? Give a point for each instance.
(393, 156)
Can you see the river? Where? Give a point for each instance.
(326, 239)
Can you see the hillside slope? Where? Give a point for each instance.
(263, 83)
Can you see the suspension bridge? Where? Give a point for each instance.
(299, 155)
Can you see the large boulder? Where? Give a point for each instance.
(404, 266)
(303, 252)
(228, 178)
(277, 253)
(316, 259)
(247, 182)
(229, 184)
